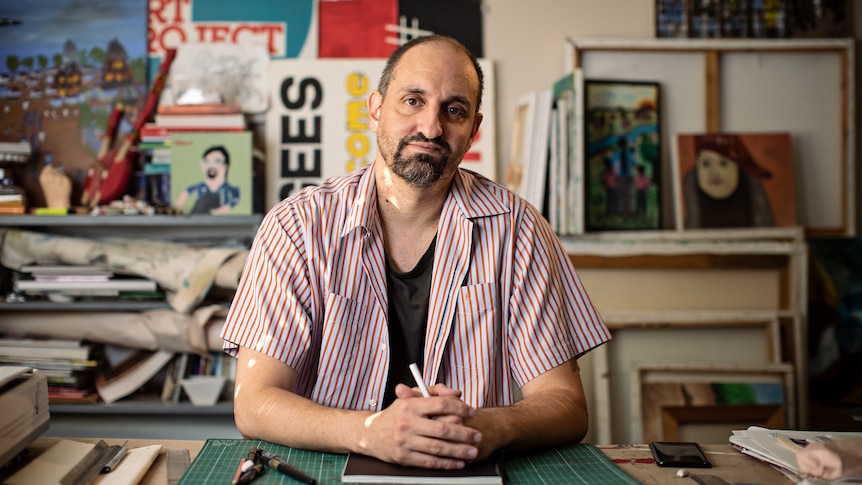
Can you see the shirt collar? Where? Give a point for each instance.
(473, 198)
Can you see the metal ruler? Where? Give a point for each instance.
(177, 464)
(90, 465)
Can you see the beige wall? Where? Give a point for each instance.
(525, 40)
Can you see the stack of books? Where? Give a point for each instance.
(197, 117)
(154, 150)
(17, 152)
(778, 447)
(131, 373)
(69, 366)
(24, 401)
(64, 283)
(12, 200)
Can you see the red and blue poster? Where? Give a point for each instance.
(374, 28)
(287, 28)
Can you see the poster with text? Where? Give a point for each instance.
(317, 123)
(288, 29)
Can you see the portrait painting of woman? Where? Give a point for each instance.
(733, 180)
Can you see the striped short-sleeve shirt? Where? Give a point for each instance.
(506, 303)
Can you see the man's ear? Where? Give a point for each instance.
(476, 123)
(374, 105)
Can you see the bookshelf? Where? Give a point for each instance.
(150, 419)
(676, 297)
(802, 86)
(135, 414)
(171, 227)
(705, 298)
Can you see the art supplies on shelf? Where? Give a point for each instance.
(16, 152)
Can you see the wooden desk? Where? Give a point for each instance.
(636, 460)
(727, 463)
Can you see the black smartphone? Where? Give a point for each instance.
(679, 454)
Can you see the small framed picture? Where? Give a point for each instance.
(211, 173)
(622, 155)
(734, 180)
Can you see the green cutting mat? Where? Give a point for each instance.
(575, 464)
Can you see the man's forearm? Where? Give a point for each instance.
(550, 419)
(283, 417)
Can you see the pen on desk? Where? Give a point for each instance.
(282, 466)
(419, 381)
(239, 470)
(248, 475)
(244, 465)
(112, 463)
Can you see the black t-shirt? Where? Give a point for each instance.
(409, 293)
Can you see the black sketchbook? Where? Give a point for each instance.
(365, 469)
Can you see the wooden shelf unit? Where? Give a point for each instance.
(705, 297)
(152, 417)
(803, 86)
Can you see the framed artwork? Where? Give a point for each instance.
(515, 177)
(733, 180)
(667, 395)
(622, 155)
(675, 418)
(211, 173)
(65, 66)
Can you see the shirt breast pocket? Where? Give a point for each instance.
(476, 324)
(342, 333)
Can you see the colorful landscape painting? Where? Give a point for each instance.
(65, 65)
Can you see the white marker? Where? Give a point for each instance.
(419, 381)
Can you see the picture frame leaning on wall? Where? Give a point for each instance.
(622, 154)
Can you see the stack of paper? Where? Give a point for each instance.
(778, 447)
(24, 401)
(70, 366)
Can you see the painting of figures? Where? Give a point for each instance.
(622, 156)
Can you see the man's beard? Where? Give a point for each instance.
(422, 169)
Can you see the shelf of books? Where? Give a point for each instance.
(113, 333)
(198, 220)
(130, 381)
